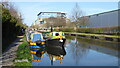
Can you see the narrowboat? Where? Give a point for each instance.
(28, 35)
(36, 40)
(55, 38)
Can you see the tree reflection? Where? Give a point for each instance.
(77, 50)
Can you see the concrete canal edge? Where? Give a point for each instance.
(114, 38)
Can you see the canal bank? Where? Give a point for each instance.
(24, 57)
(9, 54)
(114, 38)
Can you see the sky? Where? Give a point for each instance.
(29, 10)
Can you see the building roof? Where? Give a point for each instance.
(104, 12)
(49, 12)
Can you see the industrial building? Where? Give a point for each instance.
(105, 19)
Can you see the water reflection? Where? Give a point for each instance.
(56, 53)
(105, 47)
(53, 52)
(109, 48)
(81, 48)
(37, 54)
(77, 52)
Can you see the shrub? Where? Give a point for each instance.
(11, 27)
(67, 29)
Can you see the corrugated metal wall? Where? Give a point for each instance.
(106, 19)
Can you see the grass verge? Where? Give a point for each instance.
(23, 53)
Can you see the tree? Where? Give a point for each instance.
(84, 21)
(56, 21)
(13, 11)
(77, 16)
(11, 24)
(69, 23)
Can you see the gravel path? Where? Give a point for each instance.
(10, 53)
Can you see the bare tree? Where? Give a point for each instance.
(77, 16)
(56, 21)
(69, 23)
(50, 21)
(5, 3)
(13, 10)
(84, 21)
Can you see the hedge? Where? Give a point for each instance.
(11, 28)
(96, 30)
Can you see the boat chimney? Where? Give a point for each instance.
(51, 29)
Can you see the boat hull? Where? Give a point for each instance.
(36, 47)
(55, 42)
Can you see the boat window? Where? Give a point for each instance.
(36, 37)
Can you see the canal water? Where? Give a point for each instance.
(78, 52)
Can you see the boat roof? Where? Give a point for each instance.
(56, 32)
(36, 33)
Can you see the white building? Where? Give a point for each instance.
(44, 15)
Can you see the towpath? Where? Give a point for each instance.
(10, 53)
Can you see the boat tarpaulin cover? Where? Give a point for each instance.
(36, 37)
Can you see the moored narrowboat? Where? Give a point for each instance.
(36, 40)
(55, 38)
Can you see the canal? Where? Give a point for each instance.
(78, 52)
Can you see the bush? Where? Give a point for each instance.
(67, 29)
(11, 27)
